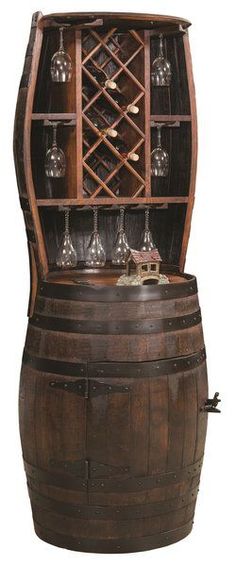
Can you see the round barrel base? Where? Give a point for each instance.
(113, 546)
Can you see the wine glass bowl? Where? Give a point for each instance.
(121, 247)
(96, 256)
(159, 158)
(66, 256)
(61, 65)
(55, 161)
(161, 68)
(147, 243)
(160, 162)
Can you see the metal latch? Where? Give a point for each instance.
(211, 404)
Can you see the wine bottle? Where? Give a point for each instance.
(101, 76)
(122, 148)
(122, 102)
(117, 96)
(101, 125)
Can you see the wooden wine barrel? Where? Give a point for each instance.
(112, 385)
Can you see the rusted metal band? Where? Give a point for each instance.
(146, 326)
(113, 545)
(119, 294)
(116, 369)
(128, 484)
(114, 512)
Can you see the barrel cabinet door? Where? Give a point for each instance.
(116, 433)
(52, 425)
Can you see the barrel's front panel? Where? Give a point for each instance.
(115, 466)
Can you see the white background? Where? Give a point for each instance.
(211, 256)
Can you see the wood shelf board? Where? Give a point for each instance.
(111, 201)
(110, 18)
(170, 118)
(54, 116)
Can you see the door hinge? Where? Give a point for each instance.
(89, 387)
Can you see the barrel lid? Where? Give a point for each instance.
(124, 19)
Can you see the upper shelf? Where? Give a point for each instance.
(109, 19)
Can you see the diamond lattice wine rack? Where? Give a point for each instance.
(107, 116)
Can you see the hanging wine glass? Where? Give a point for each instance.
(67, 256)
(147, 243)
(55, 161)
(161, 68)
(121, 248)
(159, 158)
(61, 66)
(96, 256)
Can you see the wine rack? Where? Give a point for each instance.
(102, 170)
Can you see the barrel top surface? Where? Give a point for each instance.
(146, 20)
(100, 285)
(103, 277)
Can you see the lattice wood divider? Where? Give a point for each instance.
(125, 178)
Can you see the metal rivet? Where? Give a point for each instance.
(170, 323)
(110, 387)
(52, 383)
(117, 510)
(78, 510)
(102, 484)
(183, 321)
(65, 385)
(97, 512)
(94, 387)
(83, 484)
(166, 292)
(117, 546)
(175, 476)
(94, 469)
(175, 365)
(186, 349)
(188, 363)
(92, 484)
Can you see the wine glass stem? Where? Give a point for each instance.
(54, 139)
(67, 213)
(161, 53)
(122, 218)
(95, 219)
(61, 47)
(147, 219)
(159, 137)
